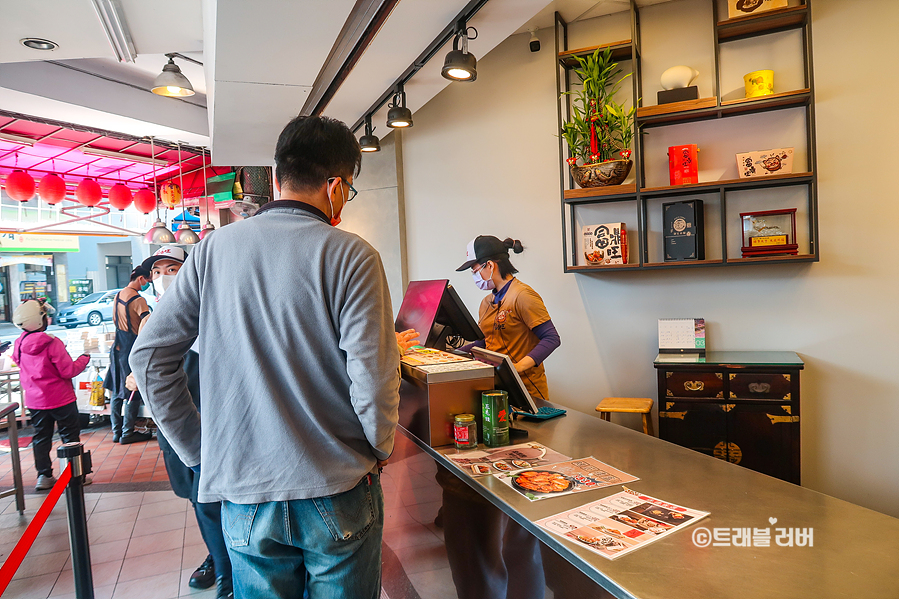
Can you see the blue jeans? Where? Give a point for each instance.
(327, 547)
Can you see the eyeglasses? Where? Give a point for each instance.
(353, 191)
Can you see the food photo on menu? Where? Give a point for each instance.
(619, 524)
(564, 478)
(480, 462)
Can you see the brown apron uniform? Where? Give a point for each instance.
(507, 328)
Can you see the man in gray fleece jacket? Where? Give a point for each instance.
(298, 366)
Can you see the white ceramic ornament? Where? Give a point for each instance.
(679, 77)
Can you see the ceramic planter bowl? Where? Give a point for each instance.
(611, 172)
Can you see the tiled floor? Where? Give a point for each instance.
(112, 462)
(144, 545)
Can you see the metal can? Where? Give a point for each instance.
(465, 431)
(495, 408)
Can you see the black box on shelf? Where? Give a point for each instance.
(683, 230)
(667, 96)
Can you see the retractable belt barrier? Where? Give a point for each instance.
(76, 464)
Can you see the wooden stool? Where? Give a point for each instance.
(628, 405)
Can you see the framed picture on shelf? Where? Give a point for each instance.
(769, 233)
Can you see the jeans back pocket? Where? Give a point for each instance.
(349, 515)
(237, 522)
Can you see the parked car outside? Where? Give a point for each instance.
(94, 309)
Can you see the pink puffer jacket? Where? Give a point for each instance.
(46, 370)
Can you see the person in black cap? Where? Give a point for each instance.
(164, 266)
(490, 555)
(513, 317)
(129, 310)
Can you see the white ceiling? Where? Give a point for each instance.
(261, 60)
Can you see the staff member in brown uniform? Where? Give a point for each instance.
(490, 555)
(513, 318)
(130, 308)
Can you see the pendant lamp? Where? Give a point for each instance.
(184, 235)
(399, 116)
(460, 64)
(208, 228)
(158, 233)
(369, 142)
(171, 81)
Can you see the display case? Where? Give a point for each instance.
(769, 233)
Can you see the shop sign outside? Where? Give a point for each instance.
(25, 242)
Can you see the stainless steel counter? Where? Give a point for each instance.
(855, 552)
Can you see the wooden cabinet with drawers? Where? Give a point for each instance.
(742, 407)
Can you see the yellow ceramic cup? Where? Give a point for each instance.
(759, 83)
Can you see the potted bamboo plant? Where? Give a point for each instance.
(600, 131)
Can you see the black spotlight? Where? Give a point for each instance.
(399, 116)
(369, 142)
(460, 65)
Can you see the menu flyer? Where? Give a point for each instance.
(574, 476)
(481, 462)
(422, 356)
(621, 523)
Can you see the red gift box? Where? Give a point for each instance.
(683, 166)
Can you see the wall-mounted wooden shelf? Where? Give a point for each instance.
(609, 193)
(682, 112)
(621, 50)
(676, 107)
(763, 23)
(646, 244)
(729, 185)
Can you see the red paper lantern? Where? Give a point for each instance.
(52, 188)
(20, 186)
(88, 192)
(145, 201)
(119, 196)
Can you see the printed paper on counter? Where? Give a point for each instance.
(565, 478)
(621, 523)
(483, 461)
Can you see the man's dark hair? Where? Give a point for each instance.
(140, 271)
(312, 149)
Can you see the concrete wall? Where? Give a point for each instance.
(483, 158)
(377, 215)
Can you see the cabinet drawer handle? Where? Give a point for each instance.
(694, 385)
(782, 419)
(759, 387)
(675, 415)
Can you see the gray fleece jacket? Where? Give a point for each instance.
(298, 359)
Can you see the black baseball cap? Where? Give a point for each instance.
(483, 248)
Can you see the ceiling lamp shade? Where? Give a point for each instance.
(159, 234)
(88, 192)
(207, 229)
(185, 235)
(399, 116)
(460, 65)
(171, 82)
(52, 188)
(119, 196)
(144, 201)
(369, 142)
(170, 194)
(20, 186)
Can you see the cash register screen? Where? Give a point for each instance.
(420, 305)
(507, 379)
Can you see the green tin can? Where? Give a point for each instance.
(495, 409)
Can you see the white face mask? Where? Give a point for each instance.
(482, 283)
(162, 283)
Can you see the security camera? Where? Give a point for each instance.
(534, 44)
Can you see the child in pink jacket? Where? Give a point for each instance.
(46, 373)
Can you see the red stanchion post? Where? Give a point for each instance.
(73, 455)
